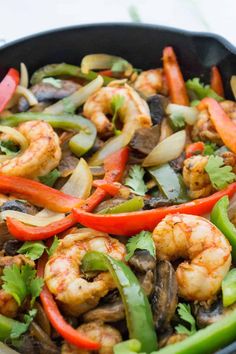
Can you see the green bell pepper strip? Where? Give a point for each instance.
(64, 69)
(79, 143)
(133, 204)
(137, 308)
(229, 288)
(130, 346)
(219, 217)
(169, 183)
(6, 326)
(206, 340)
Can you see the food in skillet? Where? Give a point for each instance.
(96, 153)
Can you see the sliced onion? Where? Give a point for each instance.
(4, 349)
(233, 85)
(34, 220)
(103, 61)
(80, 182)
(16, 136)
(167, 150)
(112, 145)
(23, 91)
(24, 76)
(188, 113)
(77, 98)
(78, 185)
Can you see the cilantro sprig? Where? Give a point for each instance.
(184, 312)
(220, 175)
(135, 180)
(19, 328)
(8, 147)
(53, 247)
(21, 282)
(201, 90)
(50, 178)
(116, 104)
(142, 241)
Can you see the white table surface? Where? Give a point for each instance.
(23, 17)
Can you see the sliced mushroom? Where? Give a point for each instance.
(143, 264)
(49, 92)
(11, 247)
(157, 105)
(106, 313)
(178, 163)
(164, 299)
(208, 313)
(156, 202)
(18, 205)
(145, 139)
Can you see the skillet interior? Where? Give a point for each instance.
(140, 44)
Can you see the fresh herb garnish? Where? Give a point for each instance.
(54, 245)
(21, 282)
(50, 178)
(142, 241)
(32, 250)
(201, 90)
(19, 328)
(116, 103)
(209, 149)
(220, 175)
(135, 180)
(184, 312)
(177, 121)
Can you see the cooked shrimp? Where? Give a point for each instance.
(41, 156)
(204, 130)
(134, 112)
(196, 178)
(8, 305)
(63, 276)
(208, 251)
(99, 332)
(151, 82)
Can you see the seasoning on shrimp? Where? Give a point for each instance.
(206, 250)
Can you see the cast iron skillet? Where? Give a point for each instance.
(140, 44)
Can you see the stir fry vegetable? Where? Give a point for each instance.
(159, 157)
(137, 308)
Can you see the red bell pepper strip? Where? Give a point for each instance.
(194, 149)
(108, 73)
(174, 77)
(38, 193)
(216, 81)
(109, 187)
(114, 166)
(222, 123)
(25, 232)
(57, 320)
(129, 224)
(8, 86)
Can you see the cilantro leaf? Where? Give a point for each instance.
(21, 282)
(33, 250)
(50, 178)
(135, 180)
(116, 103)
(209, 149)
(8, 147)
(201, 90)
(177, 121)
(142, 241)
(14, 283)
(52, 81)
(18, 328)
(53, 247)
(184, 312)
(220, 175)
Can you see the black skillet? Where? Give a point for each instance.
(140, 44)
